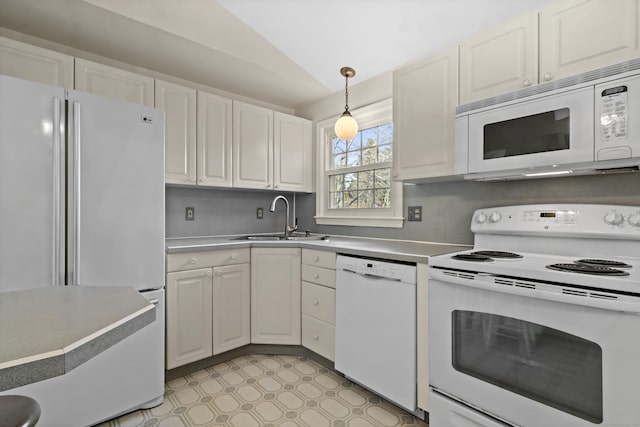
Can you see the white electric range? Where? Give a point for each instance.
(537, 325)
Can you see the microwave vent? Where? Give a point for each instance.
(589, 76)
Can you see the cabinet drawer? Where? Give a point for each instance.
(319, 275)
(319, 302)
(318, 336)
(193, 260)
(319, 258)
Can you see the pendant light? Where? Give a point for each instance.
(346, 127)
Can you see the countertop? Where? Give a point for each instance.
(47, 332)
(401, 250)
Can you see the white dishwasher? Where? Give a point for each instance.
(376, 326)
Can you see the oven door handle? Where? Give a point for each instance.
(558, 293)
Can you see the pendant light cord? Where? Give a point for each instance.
(346, 93)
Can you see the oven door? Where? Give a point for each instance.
(550, 130)
(533, 361)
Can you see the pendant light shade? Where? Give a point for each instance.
(346, 127)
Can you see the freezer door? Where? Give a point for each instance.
(31, 172)
(115, 193)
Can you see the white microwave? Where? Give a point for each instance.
(578, 129)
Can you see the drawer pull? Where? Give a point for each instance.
(316, 276)
(218, 273)
(316, 337)
(316, 258)
(232, 256)
(192, 260)
(208, 274)
(316, 302)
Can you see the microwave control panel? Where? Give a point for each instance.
(617, 107)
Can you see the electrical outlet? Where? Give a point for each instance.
(189, 213)
(415, 213)
(259, 213)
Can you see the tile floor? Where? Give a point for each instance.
(266, 391)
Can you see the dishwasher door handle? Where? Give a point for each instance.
(372, 276)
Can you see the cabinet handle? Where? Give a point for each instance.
(201, 179)
(316, 337)
(316, 258)
(526, 82)
(296, 254)
(316, 302)
(232, 256)
(268, 185)
(192, 260)
(548, 76)
(192, 179)
(316, 276)
(208, 274)
(395, 174)
(218, 273)
(276, 186)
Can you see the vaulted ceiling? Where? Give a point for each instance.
(285, 52)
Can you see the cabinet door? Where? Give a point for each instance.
(424, 101)
(214, 140)
(252, 146)
(231, 307)
(113, 82)
(275, 296)
(179, 106)
(35, 63)
(292, 163)
(500, 60)
(581, 35)
(189, 324)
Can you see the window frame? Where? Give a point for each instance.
(372, 115)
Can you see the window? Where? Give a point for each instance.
(355, 186)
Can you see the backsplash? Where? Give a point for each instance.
(222, 211)
(447, 207)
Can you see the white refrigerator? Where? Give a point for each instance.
(82, 204)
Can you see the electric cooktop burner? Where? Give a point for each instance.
(603, 263)
(472, 257)
(588, 269)
(497, 254)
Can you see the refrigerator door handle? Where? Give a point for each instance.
(58, 191)
(75, 196)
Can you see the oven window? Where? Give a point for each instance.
(547, 365)
(538, 133)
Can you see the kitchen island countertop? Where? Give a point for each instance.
(47, 332)
(400, 250)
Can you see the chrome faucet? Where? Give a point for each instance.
(287, 229)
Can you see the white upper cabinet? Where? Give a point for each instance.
(252, 146)
(214, 140)
(581, 35)
(502, 59)
(40, 65)
(425, 95)
(292, 162)
(179, 106)
(113, 82)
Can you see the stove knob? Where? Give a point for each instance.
(481, 218)
(613, 218)
(495, 217)
(634, 220)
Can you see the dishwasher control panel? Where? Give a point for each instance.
(376, 268)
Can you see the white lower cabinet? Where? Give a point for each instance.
(231, 307)
(189, 313)
(319, 302)
(275, 296)
(208, 304)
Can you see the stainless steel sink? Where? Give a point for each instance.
(276, 237)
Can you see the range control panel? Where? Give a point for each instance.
(576, 220)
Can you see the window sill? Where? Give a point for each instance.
(388, 222)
